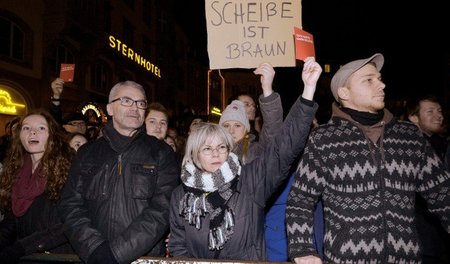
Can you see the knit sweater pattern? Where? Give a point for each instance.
(368, 192)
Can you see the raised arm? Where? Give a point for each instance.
(271, 111)
(272, 167)
(55, 106)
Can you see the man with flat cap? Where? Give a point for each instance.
(367, 166)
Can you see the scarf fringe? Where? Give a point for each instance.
(193, 207)
(220, 235)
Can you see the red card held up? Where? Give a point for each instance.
(304, 44)
(67, 72)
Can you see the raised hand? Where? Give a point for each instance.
(310, 75)
(267, 74)
(57, 87)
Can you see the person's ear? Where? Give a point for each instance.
(109, 109)
(414, 119)
(343, 93)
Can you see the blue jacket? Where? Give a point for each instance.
(275, 227)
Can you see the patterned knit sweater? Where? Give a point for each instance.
(368, 192)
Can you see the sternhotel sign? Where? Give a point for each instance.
(128, 52)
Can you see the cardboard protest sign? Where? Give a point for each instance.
(243, 34)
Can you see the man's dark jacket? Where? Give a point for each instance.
(119, 193)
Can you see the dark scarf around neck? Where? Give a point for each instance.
(364, 118)
(26, 187)
(118, 142)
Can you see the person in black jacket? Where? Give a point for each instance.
(116, 202)
(35, 171)
(218, 211)
(426, 113)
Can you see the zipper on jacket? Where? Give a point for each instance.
(119, 165)
(106, 180)
(381, 168)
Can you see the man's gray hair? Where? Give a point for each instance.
(118, 86)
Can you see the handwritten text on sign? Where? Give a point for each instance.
(243, 34)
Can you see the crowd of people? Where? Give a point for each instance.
(365, 187)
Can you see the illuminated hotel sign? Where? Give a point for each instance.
(92, 107)
(128, 52)
(6, 105)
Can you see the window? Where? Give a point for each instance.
(146, 47)
(130, 3)
(63, 55)
(128, 33)
(147, 13)
(100, 75)
(12, 40)
(162, 22)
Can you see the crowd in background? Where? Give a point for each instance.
(256, 186)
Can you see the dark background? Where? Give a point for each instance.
(412, 37)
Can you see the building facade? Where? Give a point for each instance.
(108, 41)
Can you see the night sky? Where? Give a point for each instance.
(411, 37)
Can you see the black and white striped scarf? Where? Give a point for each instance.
(209, 193)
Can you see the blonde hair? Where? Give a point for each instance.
(198, 137)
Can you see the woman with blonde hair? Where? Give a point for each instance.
(218, 210)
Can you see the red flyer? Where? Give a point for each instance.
(67, 72)
(304, 44)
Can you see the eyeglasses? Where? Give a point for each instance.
(77, 123)
(222, 149)
(127, 101)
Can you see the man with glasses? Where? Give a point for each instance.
(75, 123)
(116, 201)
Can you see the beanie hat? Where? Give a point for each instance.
(341, 76)
(236, 112)
(75, 116)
